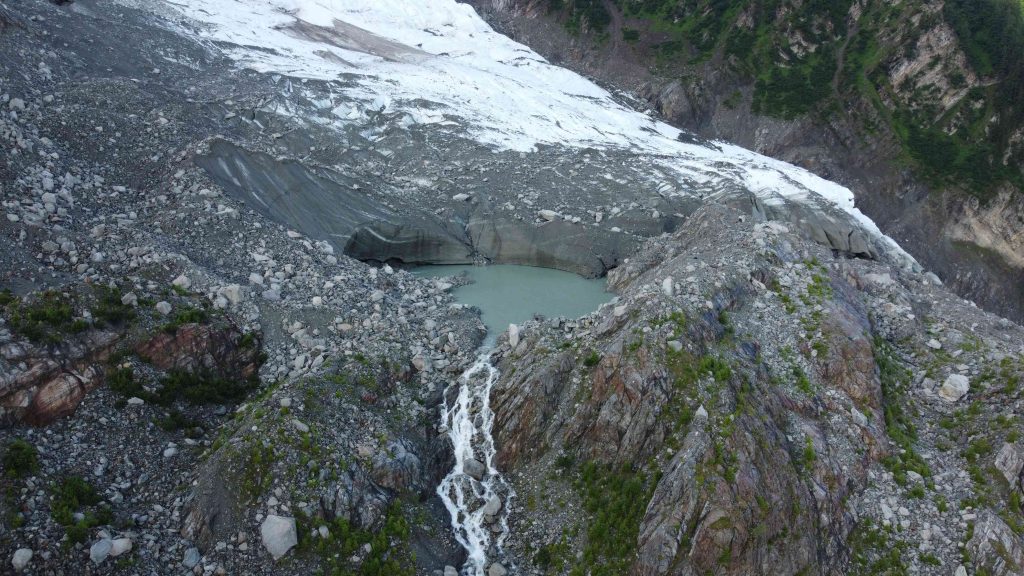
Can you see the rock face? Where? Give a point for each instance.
(278, 535)
(206, 348)
(1010, 462)
(709, 395)
(99, 551)
(40, 384)
(995, 546)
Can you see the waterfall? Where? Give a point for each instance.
(474, 492)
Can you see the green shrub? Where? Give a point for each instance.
(109, 309)
(201, 388)
(616, 500)
(20, 459)
(122, 381)
(175, 421)
(42, 320)
(71, 495)
(186, 316)
(7, 297)
(390, 553)
(895, 381)
(592, 359)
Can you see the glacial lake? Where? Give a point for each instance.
(510, 294)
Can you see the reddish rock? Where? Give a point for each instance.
(40, 384)
(220, 350)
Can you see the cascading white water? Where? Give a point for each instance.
(470, 489)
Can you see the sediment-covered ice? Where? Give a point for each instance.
(440, 63)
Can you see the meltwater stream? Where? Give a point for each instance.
(474, 491)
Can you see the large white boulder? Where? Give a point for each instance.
(21, 558)
(278, 534)
(954, 388)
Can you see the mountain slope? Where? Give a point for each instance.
(913, 105)
(212, 361)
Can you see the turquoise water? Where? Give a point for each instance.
(508, 294)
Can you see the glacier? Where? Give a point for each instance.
(440, 65)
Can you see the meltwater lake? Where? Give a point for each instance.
(510, 294)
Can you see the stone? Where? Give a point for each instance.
(513, 335)
(233, 292)
(376, 296)
(934, 344)
(100, 550)
(475, 468)
(1009, 461)
(701, 415)
(120, 546)
(450, 571)
(21, 558)
(548, 215)
(954, 388)
(492, 507)
(278, 535)
(462, 197)
(182, 282)
(496, 569)
(300, 426)
(256, 278)
(620, 311)
(130, 299)
(191, 559)
(675, 345)
(668, 287)
(163, 307)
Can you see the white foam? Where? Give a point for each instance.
(469, 421)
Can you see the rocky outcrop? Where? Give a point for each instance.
(42, 382)
(995, 546)
(39, 384)
(746, 384)
(204, 348)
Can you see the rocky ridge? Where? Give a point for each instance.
(755, 405)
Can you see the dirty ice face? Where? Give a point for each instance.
(441, 65)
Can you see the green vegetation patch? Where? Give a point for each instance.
(74, 495)
(876, 551)
(616, 499)
(44, 319)
(108, 308)
(20, 459)
(179, 385)
(186, 316)
(390, 553)
(48, 317)
(895, 380)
